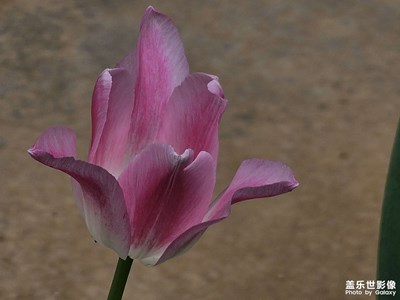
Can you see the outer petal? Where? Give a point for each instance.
(102, 201)
(58, 141)
(162, 66)
(193, 114)
(166, 194)
(254, 179)
(112, 106)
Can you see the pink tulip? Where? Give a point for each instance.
(147, 186)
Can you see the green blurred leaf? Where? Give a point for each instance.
(389, 239)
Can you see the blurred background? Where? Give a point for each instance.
(312, 83)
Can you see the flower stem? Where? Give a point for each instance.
(120, 276)
(389, 239)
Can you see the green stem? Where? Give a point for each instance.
(120, 276)
(389, 239)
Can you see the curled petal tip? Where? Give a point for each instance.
(213, 85)
(57, 141)
(150, 8)
(294, 184)
(31, 151)
(34, 152)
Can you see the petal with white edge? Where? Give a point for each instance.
(101, 199)
(162, 66)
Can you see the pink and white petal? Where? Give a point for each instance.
(102, 203)
(166, 194)
(159, 39)
(193, 114)
(112, 106)
(162, 66)
(255, 178)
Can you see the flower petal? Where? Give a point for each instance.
(112, 107)
(162, 66)
(254, 179)
(57, 141)
(192, 115)
(166, 194)
(100, 196)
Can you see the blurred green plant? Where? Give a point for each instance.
(389, 239)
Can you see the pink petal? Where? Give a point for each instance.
(162, 67)
(166, 194)
(100, 197)
(112, 107)
(57, 141)
(128, 100)
(192, 116)
(254, 179)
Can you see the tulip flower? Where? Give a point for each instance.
(146, 189)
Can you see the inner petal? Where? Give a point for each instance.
(166, 193)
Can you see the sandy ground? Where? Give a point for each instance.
(312, 83)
